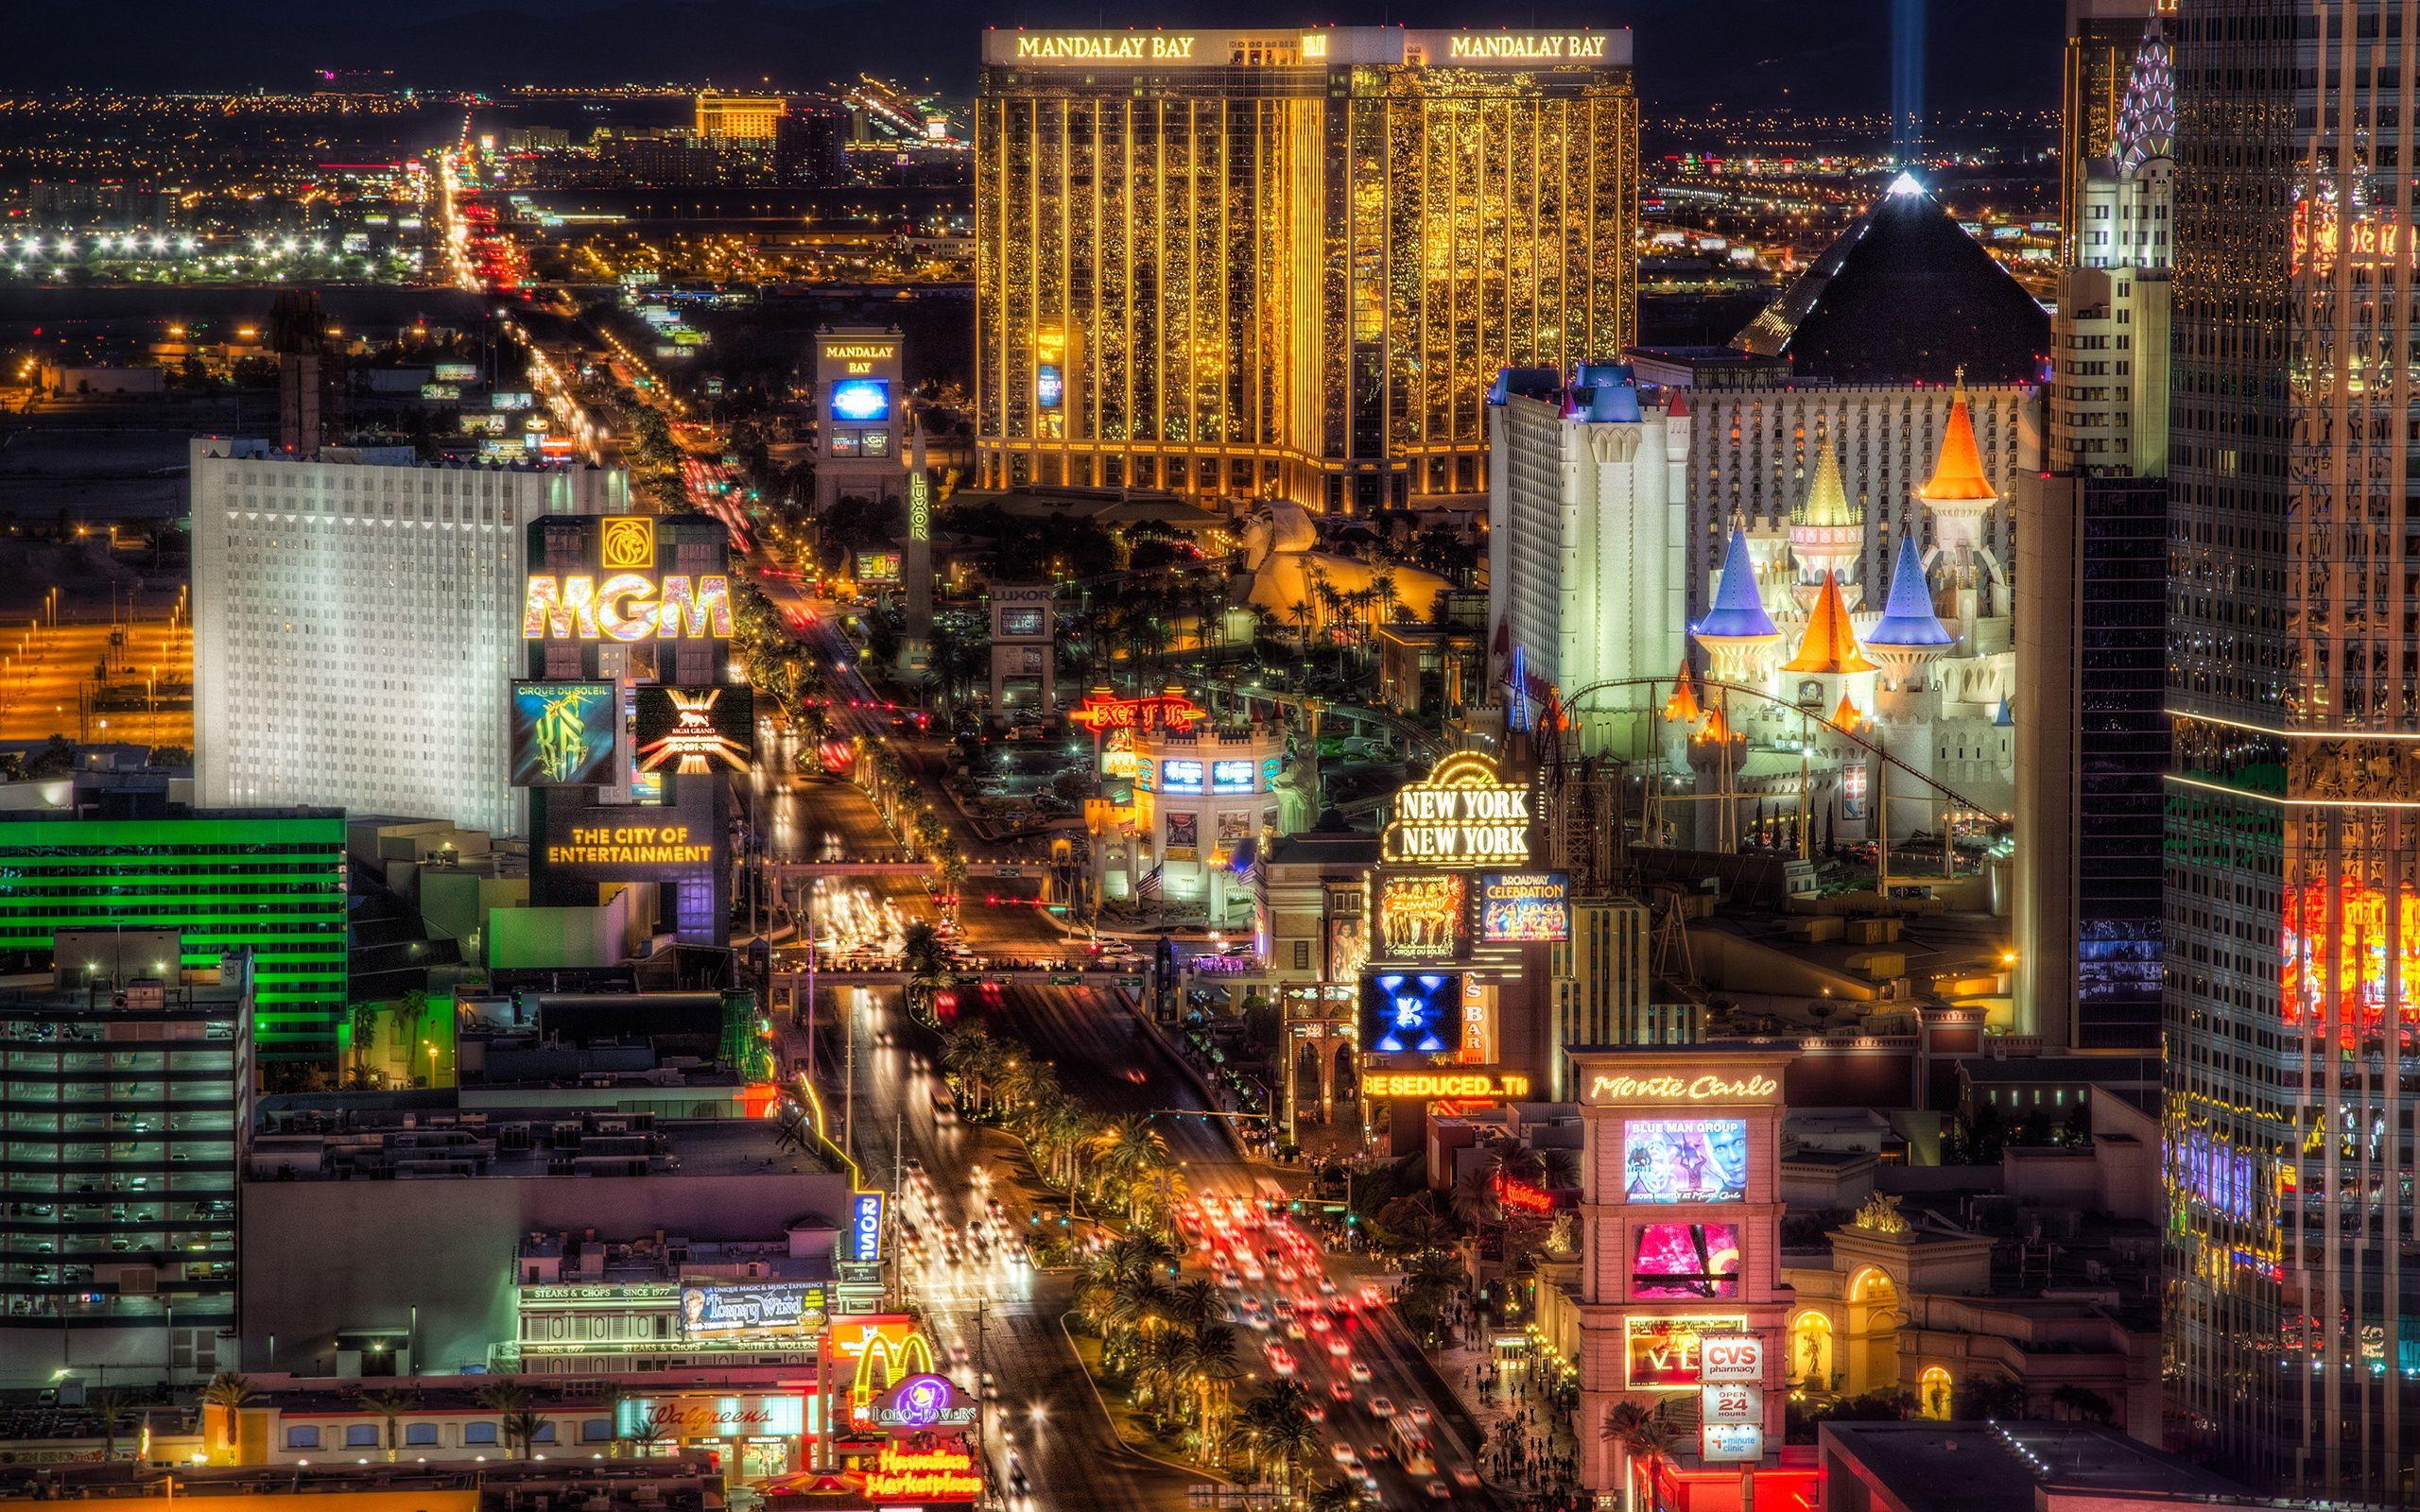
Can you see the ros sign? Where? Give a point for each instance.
(865, 1226)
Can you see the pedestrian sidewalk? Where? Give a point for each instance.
(1497, 1413)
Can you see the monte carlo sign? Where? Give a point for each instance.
(1461, 814)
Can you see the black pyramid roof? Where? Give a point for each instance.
(1905, 296)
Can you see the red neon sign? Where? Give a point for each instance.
(1165, 710)
(1512, 1195)
(916, 1474)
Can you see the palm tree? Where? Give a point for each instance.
(1410, 1223)
(1642, 1435)
(1474, 1195)
(391, 1406)
(1335, 1496)
(649, 1431)
(1023, 1083)
(1301, 614)
(2082, 1401)
(1195, 1305)
(108, 1405)
(364, 1020)
(228, 1392)
(974, 1059)
(1275, 1426)
(1384, 589)
(1206, 1364)
(511, 1402)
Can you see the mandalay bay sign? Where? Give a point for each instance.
(1464, 814)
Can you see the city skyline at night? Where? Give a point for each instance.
(778, 754)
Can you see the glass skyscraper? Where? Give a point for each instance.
(2293, 918)
(270, 883)
(1289, 264)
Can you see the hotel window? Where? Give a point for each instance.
(478, 1432)
(302, 1437)
(420, 1432)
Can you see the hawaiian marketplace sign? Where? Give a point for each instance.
(920, 1471)
(1461, 814)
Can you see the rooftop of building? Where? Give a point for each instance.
(342, 1137)
(1905, 295)
(178, 814)
(2139, 1070)
(1324, 847)
(1933, 1467)
(657, 1481)
(1103, 506)
(256, 449)
(671, 1257)
(199, 995)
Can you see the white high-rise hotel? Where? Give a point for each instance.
(356, 621)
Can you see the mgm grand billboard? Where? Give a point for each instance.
(626, 729)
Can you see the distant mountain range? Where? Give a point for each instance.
(1819, 56)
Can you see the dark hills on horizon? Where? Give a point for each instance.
(1827, 56)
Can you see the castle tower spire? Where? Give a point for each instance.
(1737, 632)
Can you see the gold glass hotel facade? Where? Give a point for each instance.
(1287, 263)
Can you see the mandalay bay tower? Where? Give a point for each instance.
(1287, 263)
(2292, 874)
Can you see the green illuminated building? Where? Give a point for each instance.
(268, 880)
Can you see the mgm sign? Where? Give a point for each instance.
(625, 598)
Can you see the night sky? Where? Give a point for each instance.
(1819, 55)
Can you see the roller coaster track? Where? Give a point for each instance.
(1808, 720)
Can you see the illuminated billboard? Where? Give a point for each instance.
(1420, 917)
(691, 730)
(861, 400)
(877, 566)
(563, 734)
(1462, 814)
(1524, 906)
(609, 843)
(1411, 1012)
(676, 1419)
(1477, 1084)
(1021, 622)
(626, 607)
(1685, 1160)
(1231, 776)
(456, 373)
(1663, 1354)
(1731, 1443)
(1049, 386)
(865, 1226)
(1102, 712)
(1181, 775)
(924, 1474)
(737, 1310)
(1686, 1262)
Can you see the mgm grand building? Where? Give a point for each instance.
(1286, 264)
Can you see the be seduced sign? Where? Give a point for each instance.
(1461, 814)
